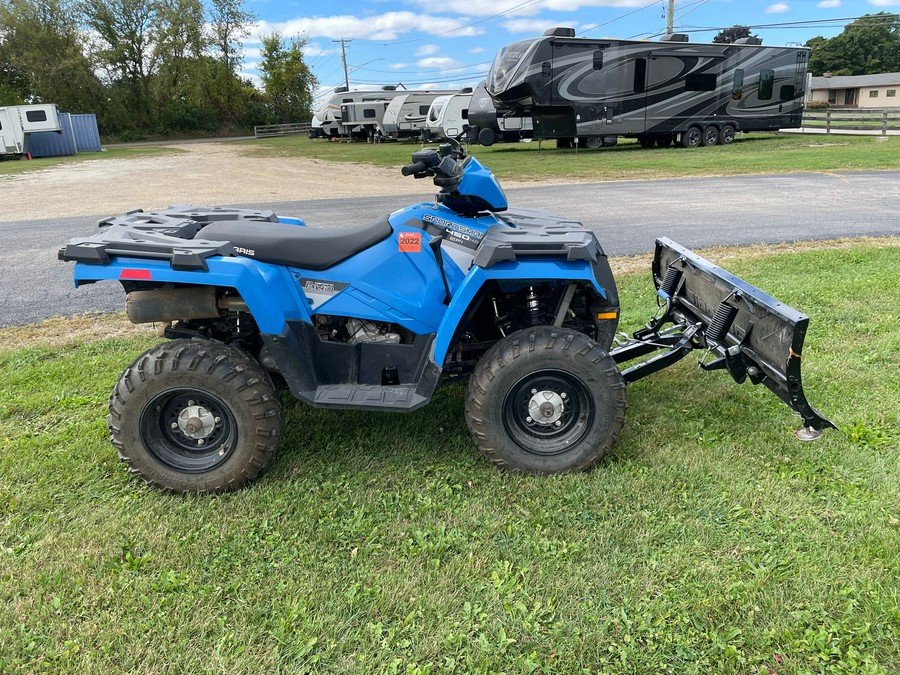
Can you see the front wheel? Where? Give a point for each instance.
(545, 400)
(195, 416)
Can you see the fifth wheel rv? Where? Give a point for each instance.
(658, 92)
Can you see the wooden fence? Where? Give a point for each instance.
(273, 130)
(876, 121)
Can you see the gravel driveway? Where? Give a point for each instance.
(202, 173)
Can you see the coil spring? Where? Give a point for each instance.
(721, 322)
(670, 281)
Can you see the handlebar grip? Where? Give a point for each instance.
(411, 169)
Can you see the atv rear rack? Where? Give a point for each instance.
(745, 331)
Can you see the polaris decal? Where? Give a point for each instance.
(245, 251)
(454, 233)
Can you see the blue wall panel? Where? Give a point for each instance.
(79, 134)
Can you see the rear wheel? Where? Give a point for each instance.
(727, 135)
(692, 138)
(545, 400)
(195, 416)
(664, 140)
(646, 141)
(710, 136)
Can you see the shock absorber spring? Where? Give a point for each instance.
(533, 308)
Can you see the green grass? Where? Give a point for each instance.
(756, 153)
(712, 542)
(12, 167)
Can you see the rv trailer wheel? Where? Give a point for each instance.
(710, 136)
(692, 138)
(664, 140)
(646, 141)
(727, 135)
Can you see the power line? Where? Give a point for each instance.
(618, 18)
(344, 42)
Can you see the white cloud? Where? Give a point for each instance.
(438, 62)
(884, 3)
(476, 50)
(778, 8)
(399, 66)
(427, 50)
(469, 8)
(379, 27)
(312, 49)
(829, 4)
(534, 26)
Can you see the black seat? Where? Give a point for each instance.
(296, 246)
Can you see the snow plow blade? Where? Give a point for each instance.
(743, 330)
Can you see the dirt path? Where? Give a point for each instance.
(202, 173)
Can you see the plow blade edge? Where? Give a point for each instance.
(748, 332)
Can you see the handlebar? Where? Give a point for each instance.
(412, 169)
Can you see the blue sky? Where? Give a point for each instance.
(450, 43)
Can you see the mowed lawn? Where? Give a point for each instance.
(754, 154)
(711, 542)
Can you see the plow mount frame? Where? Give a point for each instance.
(746, 331)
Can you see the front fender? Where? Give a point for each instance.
(268, 290)
(524, 271)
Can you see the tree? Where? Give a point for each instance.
(869, 45)
(730, 35)
(229, 24)
(43, 58)
(179, 43)
(123, 43)
(287, 80)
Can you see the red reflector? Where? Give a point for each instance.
(143, 275)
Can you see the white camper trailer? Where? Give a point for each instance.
(405, 115)
(18, 121)
(327, 121)
(448, 116)
(362, 119)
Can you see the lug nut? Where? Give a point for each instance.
(174, 425)
(533, 392)
(190, 403)
(563, 395)
(200, 441)
(218, 419)
(558, 423)
(529, 420)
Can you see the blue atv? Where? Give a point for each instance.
(522, 304)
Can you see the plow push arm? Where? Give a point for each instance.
(747, 332)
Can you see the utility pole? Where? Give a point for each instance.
(670, 21)
(344, 42)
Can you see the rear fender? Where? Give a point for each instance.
(524, 272)
(268, 290)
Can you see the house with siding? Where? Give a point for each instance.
(857, 91)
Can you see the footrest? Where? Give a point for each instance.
(369, 397)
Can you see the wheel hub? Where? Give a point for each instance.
(196, 422)
(546, 407)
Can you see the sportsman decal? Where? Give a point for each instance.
(454, 233)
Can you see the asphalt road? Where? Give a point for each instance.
(627, 217)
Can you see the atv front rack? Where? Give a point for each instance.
(743, 330)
